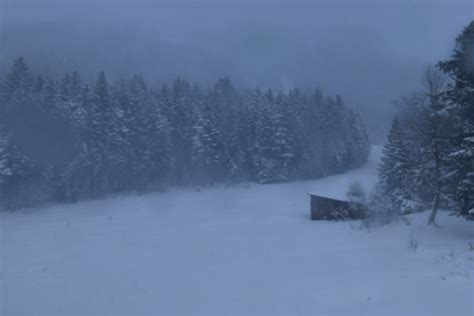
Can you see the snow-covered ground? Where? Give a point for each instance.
(247, 249)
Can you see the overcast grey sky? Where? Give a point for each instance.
(369, 51)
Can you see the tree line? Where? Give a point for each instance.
(65, 140)
(429, 156)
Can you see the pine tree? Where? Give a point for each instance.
(396, 171)
(273, 147)
(225, 100)
(358, 140)
(284, 146)
(292, 110)
(39, 84)
(247, 132)
(157, 139)
(311, 138)
(105, 143)
(432, 140)
(209, 151)
(180, 111)
(17, 172)
(144, 126)
(334, 132)
(258, 135)
(460, 94)
(17, 93)
(263, 156)
(18, 81)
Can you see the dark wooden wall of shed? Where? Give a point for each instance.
(323, 208)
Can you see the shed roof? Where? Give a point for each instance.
(329, 196)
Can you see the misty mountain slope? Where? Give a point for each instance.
(356, 48)
(248, 249)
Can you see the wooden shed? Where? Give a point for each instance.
(326, 208)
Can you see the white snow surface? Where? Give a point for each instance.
(231, 250)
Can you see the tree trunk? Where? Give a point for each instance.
(437, 160)
(434, 210)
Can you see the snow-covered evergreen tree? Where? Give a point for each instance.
(18, 175)
(311, 144)
(209, 152)
(263, 159)
(101, 157)
(460, 94)
(179, 109)
(358, 139)
(396, 171)
(18, 81)
(284, 145)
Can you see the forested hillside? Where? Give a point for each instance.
(62, 139)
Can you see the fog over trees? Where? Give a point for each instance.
(65, 140)
(370, 52)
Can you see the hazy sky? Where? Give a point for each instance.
(371, 52)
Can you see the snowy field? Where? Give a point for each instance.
(242, 250)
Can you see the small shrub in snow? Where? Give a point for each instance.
(380, 211)
(356, 193)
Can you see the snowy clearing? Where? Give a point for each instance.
(247, 249)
